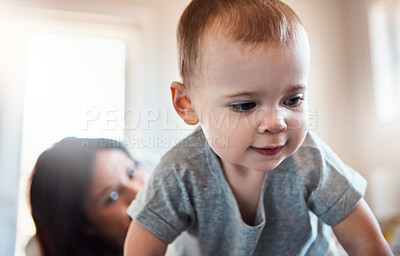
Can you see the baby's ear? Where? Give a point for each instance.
(183, 104)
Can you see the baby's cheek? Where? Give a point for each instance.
(297, 122)
(235, 146)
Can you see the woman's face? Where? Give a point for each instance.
(116, 181)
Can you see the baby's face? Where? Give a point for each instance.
(251, 101)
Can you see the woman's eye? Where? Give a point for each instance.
(243, 107)
(112, 197)
(293, 102)
(131, 172)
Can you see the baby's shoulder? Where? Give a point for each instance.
(316, 149)
(188, 149)
(310, 153)
(312, 141)
(192, 154)
(315, 160)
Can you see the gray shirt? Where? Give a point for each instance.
(188, 199)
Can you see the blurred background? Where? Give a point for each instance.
(103, 68)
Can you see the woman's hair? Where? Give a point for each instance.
(59, 185)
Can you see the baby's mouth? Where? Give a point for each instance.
(269, 151)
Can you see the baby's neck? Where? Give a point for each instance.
(246, 186)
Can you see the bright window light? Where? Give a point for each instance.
(384, 21)
(75, 86)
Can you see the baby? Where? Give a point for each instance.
(251, 180)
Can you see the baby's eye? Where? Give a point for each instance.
(293, 102)
(243, 107)
(112, 197)
(131, 172)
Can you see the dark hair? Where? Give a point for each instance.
(245, 21)
(59, 185)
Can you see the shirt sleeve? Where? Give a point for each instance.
(339, 188)
(163, 206)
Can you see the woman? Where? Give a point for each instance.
(80, 190)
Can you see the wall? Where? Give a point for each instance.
(377, 142)
(342, 92)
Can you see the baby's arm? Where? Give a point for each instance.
(139, 241)
(360, 234)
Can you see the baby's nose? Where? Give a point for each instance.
(271, 121)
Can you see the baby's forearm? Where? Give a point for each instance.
(360, 234)
(141, 242)
(381, 249)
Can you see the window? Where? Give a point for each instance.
(384, 23)
(75, 84)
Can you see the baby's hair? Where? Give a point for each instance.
(244, 21)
